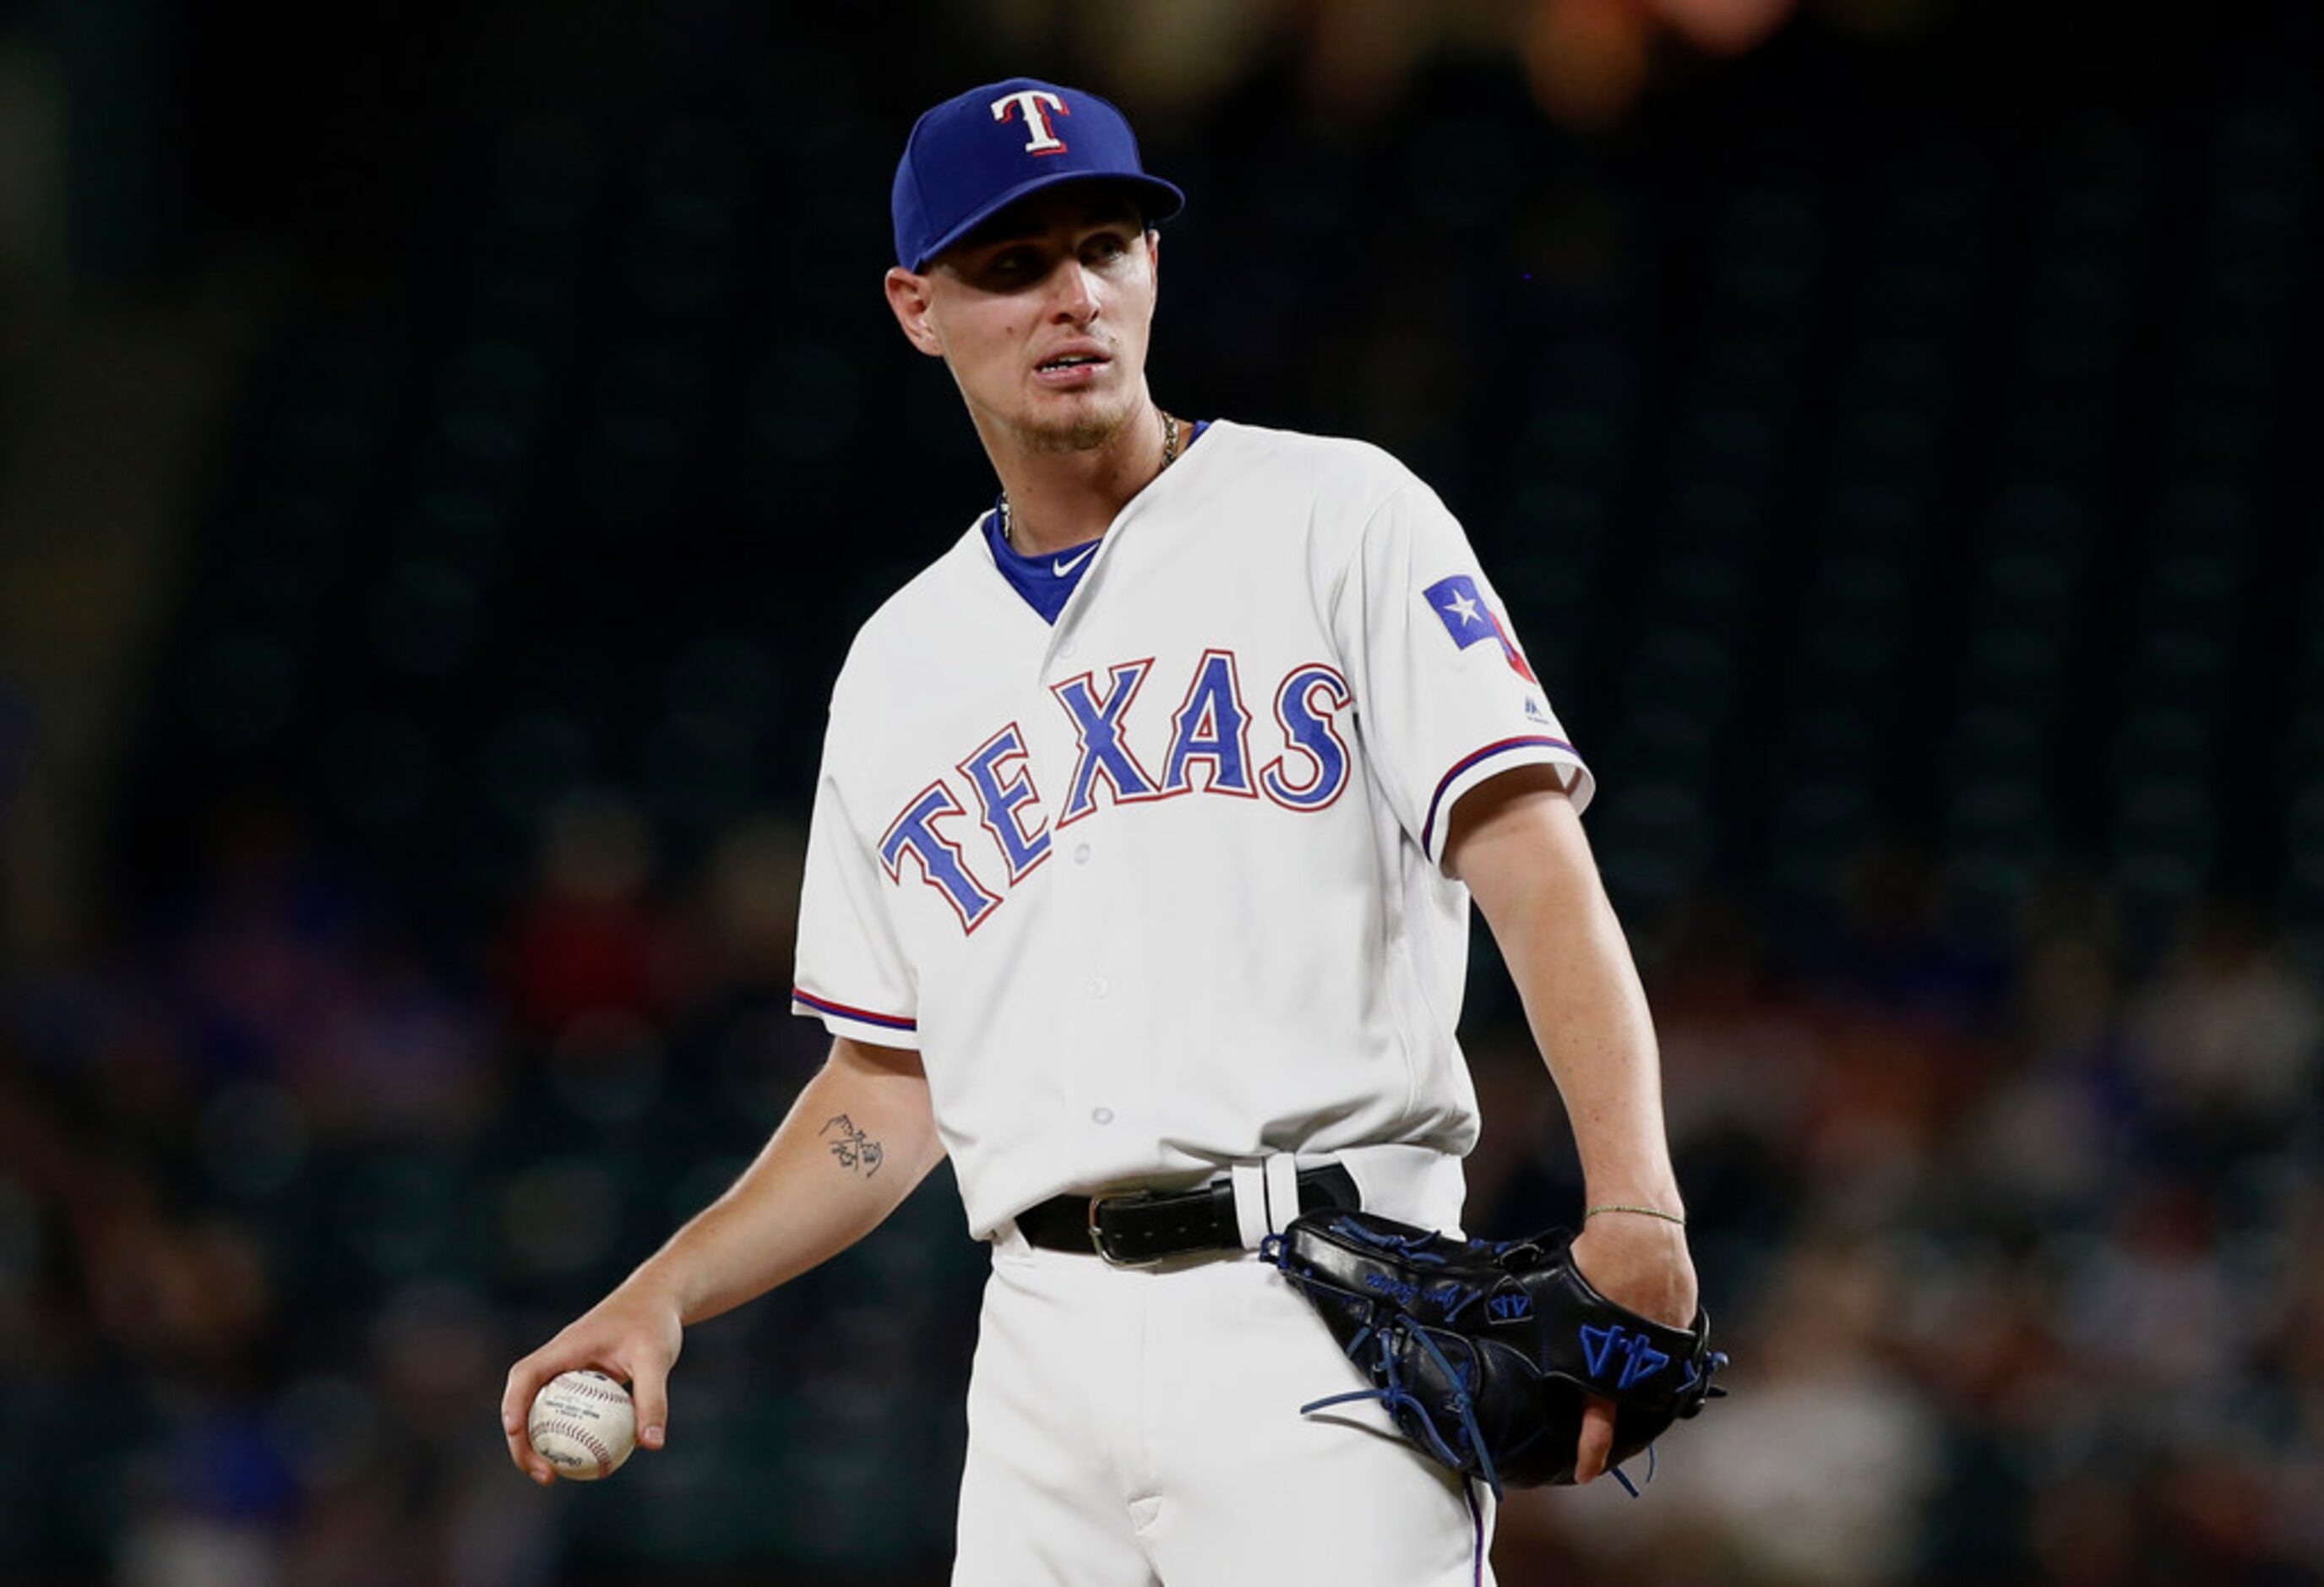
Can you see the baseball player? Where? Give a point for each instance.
(1138, 885)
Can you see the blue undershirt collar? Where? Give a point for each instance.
(1048, 581)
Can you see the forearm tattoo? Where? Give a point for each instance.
(853, 1148)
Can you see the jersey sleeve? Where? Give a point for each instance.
(852, 970)
(1445, 696)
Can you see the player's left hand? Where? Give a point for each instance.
(1641, 1263)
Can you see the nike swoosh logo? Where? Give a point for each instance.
(1061, 567)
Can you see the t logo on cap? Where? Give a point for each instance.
(1043, 140)
(965, 162)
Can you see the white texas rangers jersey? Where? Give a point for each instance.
(1157, 889)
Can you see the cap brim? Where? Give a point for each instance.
(1157, 201)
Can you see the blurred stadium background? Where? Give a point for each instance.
(444, 449)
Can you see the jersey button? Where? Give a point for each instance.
(1081, 854)
(1065, 648)
(1101, 1115)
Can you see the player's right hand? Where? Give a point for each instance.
(634, 1337)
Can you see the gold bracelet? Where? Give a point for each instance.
(1642, 1212)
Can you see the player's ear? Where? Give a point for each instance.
(908, 298)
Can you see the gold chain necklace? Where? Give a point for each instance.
(1169, 456)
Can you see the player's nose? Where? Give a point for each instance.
(1076, 294)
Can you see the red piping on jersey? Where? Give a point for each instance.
(826, 1006)
(1428, 827)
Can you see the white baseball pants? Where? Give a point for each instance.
(1140, 1427)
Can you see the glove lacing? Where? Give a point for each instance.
(1395, 1396)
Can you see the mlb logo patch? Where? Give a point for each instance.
(1463, 611)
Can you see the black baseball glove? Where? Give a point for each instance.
(1483, 1351)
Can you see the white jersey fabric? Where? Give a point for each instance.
(1155, 890)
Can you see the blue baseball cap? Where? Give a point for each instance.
(974, 155)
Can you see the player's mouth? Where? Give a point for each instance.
(1065, 371)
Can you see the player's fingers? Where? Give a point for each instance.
(1596, 1444)
(650, 1392)
(524, 1381)
(516, 1396)
(527, 1459)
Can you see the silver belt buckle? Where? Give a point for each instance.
(1097, 1235)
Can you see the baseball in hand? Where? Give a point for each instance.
(583, 1424)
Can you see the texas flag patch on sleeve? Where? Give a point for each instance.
(1469, 620)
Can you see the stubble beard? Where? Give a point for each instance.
(1085, 432)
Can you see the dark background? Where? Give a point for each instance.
(444, 451)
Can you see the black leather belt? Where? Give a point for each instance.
(1132, 1227)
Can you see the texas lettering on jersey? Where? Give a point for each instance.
(1210, 733)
